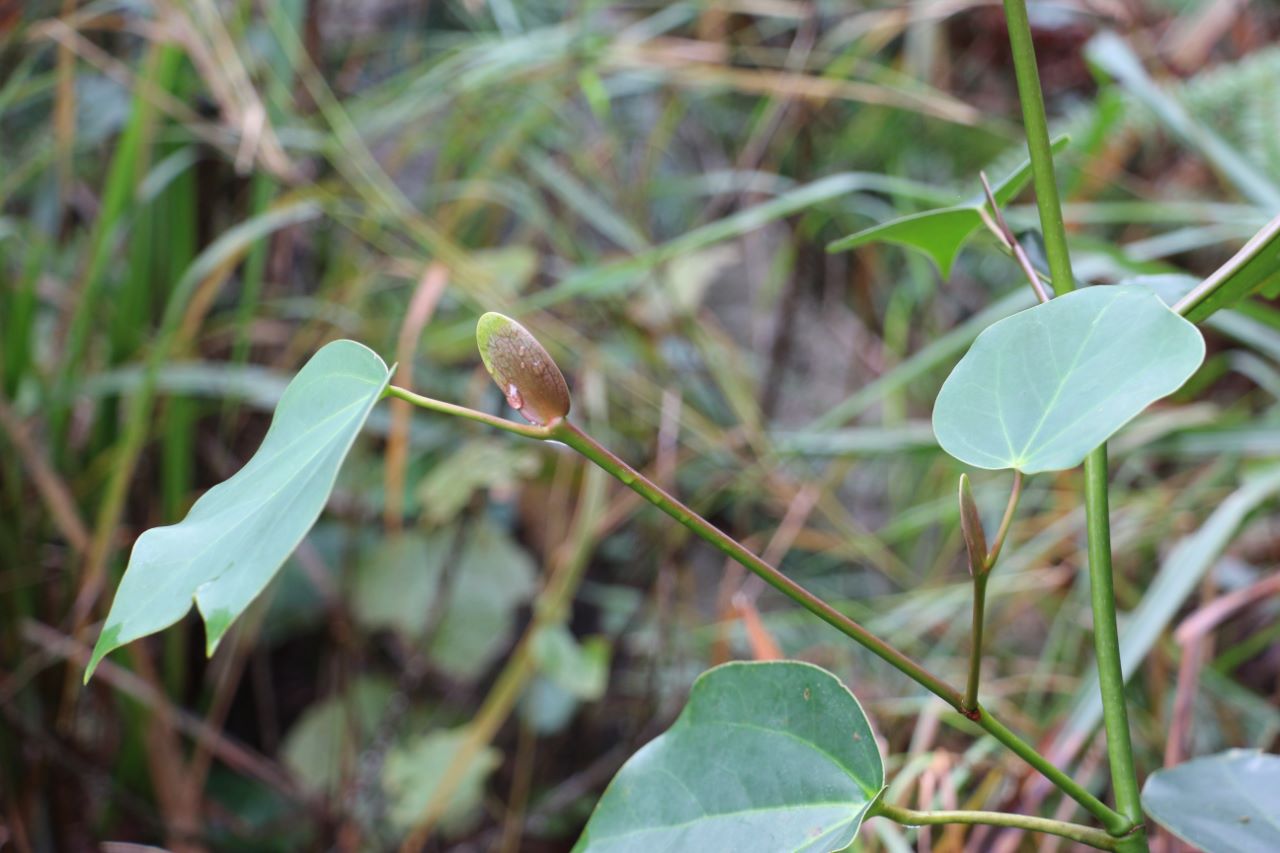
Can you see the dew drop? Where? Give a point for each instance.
(514, 398)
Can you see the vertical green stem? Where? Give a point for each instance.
(980, 567)
(1037, 129)
(1106, 639)
(1124, 777)
(975, 649)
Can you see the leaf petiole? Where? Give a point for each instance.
(1097, 838)
(542, 433)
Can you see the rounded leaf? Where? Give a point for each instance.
(1223, 803)
(765, 757)
(1037, 391)
(522, 368)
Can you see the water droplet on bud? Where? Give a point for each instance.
(529, 379)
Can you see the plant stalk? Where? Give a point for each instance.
(571, 435)
(1116, 824)
(575, 438)
(980, 574)
(975, 647)
(1124, 778)
(1106, 638)
(1037, 129)
(1084, 834)
(581, 442)
(527, 430)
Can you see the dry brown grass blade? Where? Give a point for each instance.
(58, 31)
(763, 645)
(685, 66)
(176, 792)
(1194, 635)
(64, 111)
(226, 682)
(735, 594)
(426, 296)
(199, 28)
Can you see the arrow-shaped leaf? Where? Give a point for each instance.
(240, 532)
(942, 233)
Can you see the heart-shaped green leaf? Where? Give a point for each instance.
(764, 757)
(941, 233)
(236, 537)
(1037, 391)
(1223, 803)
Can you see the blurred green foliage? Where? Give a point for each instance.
(195, 196)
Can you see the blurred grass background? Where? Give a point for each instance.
(195, 195)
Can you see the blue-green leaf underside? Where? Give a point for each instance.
(239, 533)
(1223, 803)
(1037, 391)
(765, 757)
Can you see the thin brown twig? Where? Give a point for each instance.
(51, 488)
(422, 305)
(1002, 230)
(672, 59)
(239, 757)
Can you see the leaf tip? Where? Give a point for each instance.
(108, 641)
(215, 627)
(88, 670)
(522, 369)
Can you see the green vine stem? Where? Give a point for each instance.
(980, 567)
(1116, 824)
(563, 431)
(975, 647)
(571, 435)
(1124, 778)
(566, 432)
(1083, 834)
(1015, 493)
(527, 430)
(1106, 638)
(1037, 129)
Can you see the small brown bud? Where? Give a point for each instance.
(975, 539)
(523, 370)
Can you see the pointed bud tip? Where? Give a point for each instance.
(522, 369)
